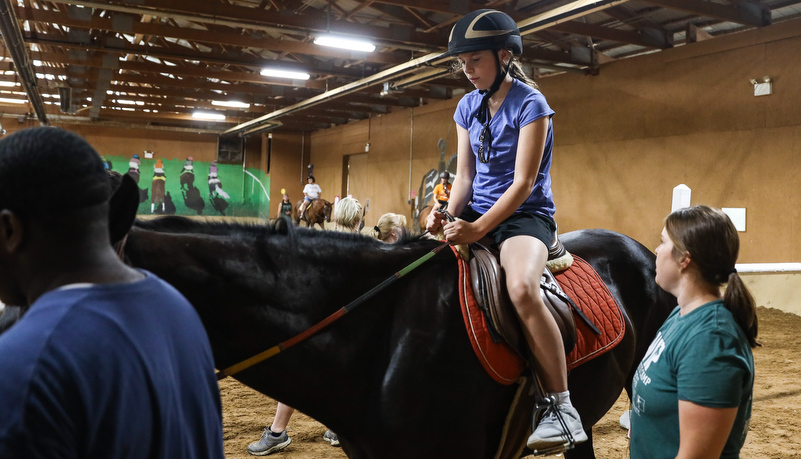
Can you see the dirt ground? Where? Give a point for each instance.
(775, 423)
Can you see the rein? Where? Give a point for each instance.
(328, 320)
(119, 247)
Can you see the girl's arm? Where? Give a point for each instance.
(703, 431)
(530, 147)
(462, 182)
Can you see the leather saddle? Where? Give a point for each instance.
(489, 288)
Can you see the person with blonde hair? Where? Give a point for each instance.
(348, 215)
(390, 227)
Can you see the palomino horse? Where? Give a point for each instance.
(317, 212)
(423, 216)
(397, 378)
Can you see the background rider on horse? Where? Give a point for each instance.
(442, 192)
(311, 192)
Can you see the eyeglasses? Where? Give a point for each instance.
(486, 144)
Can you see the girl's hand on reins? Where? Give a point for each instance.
(435, 221)
(461, 232)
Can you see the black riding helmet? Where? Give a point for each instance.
(486, 30)
(445, 175)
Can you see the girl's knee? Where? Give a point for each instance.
(522, 292)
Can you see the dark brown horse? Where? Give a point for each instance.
(397, 378)
(317, 212)
(9, 316)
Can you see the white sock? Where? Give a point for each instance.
(562, 398)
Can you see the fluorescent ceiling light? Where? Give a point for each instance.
(208, 116)
(345, 43)
(285, 74)
(8, 84)
(231, 104)
(6, 100)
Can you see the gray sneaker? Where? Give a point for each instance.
(269, 443)
(331, 437)
(550, 433)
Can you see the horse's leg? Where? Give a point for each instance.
(582, 450)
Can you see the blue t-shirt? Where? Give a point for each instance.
(109, 371)
(702, 357)
(522, 105)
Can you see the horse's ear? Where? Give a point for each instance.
(122, 208)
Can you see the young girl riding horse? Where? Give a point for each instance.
(311, 192)
(505, 145)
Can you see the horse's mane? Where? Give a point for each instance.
(261, 232)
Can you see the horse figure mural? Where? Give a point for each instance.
(403, 358)
(317, 212)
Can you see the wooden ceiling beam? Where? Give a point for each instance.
(254, 18)
(647, 37)
(402, 16)
(184, 105)
(361, 6)
(187, 96)
(746, 13)
(202, 36)
(155, 52)
(437, 6)
(637, 20)
(108, 113)
(103, 59)
(244, 93)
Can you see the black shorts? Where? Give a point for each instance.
(518, 224)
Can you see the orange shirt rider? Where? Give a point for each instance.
(442, 192)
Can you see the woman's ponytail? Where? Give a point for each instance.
(740, 302)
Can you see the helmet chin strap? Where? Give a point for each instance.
(483, 115)
(483, 110)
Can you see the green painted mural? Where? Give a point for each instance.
(187, 187)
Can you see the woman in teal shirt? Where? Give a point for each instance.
(692, 392)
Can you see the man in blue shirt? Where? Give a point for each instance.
(109, 361)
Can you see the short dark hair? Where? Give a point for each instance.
(49, 171)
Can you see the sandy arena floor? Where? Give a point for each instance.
(775, 424)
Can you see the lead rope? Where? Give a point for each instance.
(328, 320)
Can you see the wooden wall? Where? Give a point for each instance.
(686, 115)
(403, 147)
(626, 137)
(289, 156)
